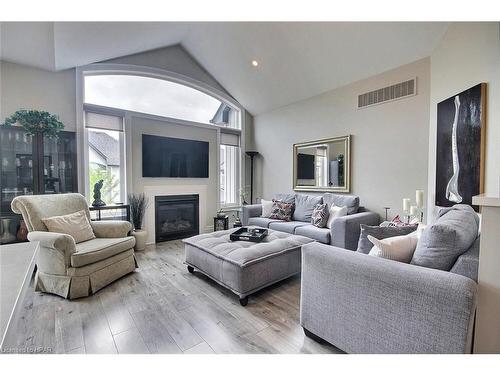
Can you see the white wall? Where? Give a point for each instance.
(468, 54)
(389, 141)
(141, 126)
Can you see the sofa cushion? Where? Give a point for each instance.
(450, 236)
(351, 201)
(319, 217)
(467, 264)
(100, 248)
(282, 211)
(286, 226)
(287, 198)
(380, 233)
(311, 231)
(260, 221)
(304, 206)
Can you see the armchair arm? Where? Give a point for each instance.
(250, 210)
(111, 228)
(345, 230)
(365, 304)
(55, 250)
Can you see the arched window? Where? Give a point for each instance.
(155, 96)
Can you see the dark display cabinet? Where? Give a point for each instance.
(33, 165)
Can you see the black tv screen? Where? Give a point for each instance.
(305, 167)
(173, 157)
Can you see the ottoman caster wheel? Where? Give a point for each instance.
(244, 301)
(190, 269)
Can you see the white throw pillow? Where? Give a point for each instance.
(267, 208)
(77, 225)
(334, 212)
(399, 248)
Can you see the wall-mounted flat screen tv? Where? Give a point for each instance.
(174, 157)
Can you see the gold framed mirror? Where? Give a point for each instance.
(322, 165)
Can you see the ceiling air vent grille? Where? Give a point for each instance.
(389, 93)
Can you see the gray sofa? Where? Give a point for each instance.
(365, 304)
(343, 233)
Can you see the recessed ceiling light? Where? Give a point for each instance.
(255, 63)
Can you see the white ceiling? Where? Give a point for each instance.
(296, 60)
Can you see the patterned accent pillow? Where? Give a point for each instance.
(282, 210)
(319, 216)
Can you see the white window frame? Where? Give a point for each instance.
(127, 69)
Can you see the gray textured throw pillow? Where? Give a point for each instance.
(450, 236)
(319, 217)
(304, 206)
(364, 244)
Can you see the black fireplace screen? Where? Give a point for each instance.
(176, 216)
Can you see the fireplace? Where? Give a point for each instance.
(176, 216)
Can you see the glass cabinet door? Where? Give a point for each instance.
(58, 171)
(17, 166)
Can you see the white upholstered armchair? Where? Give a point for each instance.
(69, 269)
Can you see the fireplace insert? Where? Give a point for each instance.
(176, 216)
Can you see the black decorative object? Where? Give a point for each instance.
(221, 222)
(248, 234)
(97, 194)
(386, 212)
(112, 207)
(252, 154)
(460, 148)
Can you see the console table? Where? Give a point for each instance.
(17, 264)
(99, 209)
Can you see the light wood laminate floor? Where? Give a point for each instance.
(162, 308)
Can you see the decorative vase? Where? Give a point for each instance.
(140, 239)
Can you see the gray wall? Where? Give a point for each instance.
(389, 141)
(23, 87)
(154, 127)
(468, 54)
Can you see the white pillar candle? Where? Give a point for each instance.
(406, 204)
(419, 197)
(413, 210)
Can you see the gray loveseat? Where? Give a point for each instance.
(344, 231)
(365, 304)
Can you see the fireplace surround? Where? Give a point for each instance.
(176, 216)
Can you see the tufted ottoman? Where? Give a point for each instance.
(245, 267)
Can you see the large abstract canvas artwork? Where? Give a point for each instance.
(460, 147)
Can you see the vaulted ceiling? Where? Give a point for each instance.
(296, 60)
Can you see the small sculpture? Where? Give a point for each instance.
(97, 194)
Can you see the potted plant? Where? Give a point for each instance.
(138, 204)
(36, 122)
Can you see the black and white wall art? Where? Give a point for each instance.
(461, 135)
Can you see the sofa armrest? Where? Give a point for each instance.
(345, 230)
(111, 228)
(54, 244)
(365, 304)
(250, 210)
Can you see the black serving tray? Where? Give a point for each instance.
(244, 234)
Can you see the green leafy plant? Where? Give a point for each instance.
(36, 122)
(138, 204)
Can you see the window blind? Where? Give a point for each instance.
(106, 122)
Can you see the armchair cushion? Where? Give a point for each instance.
(111, 228)
(100, 248)
(76, 224)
